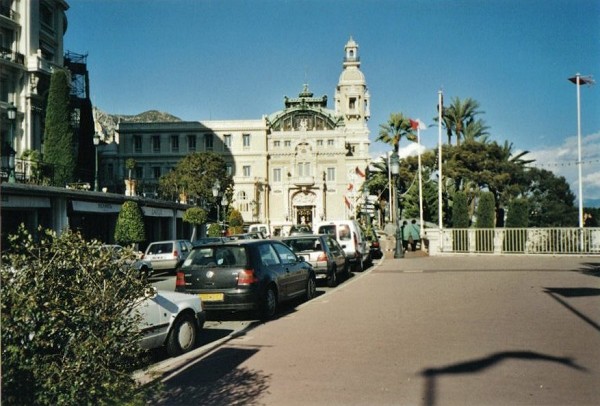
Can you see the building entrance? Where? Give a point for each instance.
(304, 215)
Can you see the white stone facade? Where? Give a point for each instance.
(305, 163)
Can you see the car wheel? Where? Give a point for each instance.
(269, 304)
(359, 266)
(332, 279)
(311, 288)
(182, 337)
(144, 273)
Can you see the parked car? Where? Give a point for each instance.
(260, 228)
(375, 251)
(323, 252)
(247, 236)
(351, 238)
(210, 240)
(144, 268)
(251, 274)
(167, 255)
(170, 319)
(300, 229)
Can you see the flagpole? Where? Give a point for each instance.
(440, 178)
(420, 185)
(391, 203)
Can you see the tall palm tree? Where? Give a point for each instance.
(459, 116)
(397, 127)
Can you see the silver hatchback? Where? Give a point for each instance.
(167, 255)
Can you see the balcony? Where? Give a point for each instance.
(301, 181)
(8, 55)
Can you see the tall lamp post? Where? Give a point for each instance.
(224, 203)
(580, 80)
(96, 143)
(11, 113)
(215, 192)
(395, 171)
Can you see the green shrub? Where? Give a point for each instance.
(69, 331)
(214, 230)
(130, 224)
(195, 216)
(486, 216)
(515, 239)
(460, 220)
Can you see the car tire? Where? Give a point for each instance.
(359, 266)
(183, 335)
(311, 288)
(144, 273)
(268, 306)
(332, 279)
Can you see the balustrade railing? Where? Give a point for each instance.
(560, 240)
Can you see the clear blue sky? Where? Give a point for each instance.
(234, 59)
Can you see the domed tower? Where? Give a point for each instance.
(352, 96)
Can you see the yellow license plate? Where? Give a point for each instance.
(212, 297)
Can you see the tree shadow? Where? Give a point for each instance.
(480, 364)
(591, 269)
(215, 380)
(554, 293)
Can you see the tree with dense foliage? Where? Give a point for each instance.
(130, 224)
(460, 211)
(518, 214)
(59, 139)
(236, 221)
(551, 202)
(486, 213)
(70, 329)
(195, 216)
(194, 177)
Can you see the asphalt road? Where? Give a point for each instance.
(417, 331)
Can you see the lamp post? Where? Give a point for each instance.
(224, 203)
(11, 113)
(215, 192)
(395, 171)
(580, 80)
(96, 143)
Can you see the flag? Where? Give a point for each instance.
(417, 124)
(359, 172)
(350, 186)
(347, 201)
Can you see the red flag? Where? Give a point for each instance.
(359, 172)
(414, 124)
(347, 202)
(350, 186)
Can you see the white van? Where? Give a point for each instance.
(350, 236)
(260, 228)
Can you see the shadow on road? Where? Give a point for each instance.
(215, 380)
(591, 268)
(480, 364)
(554, 293)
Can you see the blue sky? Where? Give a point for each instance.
(234, 59)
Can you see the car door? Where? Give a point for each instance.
(272, 265)
(337, 252)
(296, 272)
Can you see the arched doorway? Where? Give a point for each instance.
(303, 206)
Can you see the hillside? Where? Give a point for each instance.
(108, 122)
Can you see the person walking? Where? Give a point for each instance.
(414, 234)
(405, 229)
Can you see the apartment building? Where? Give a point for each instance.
(302, 164)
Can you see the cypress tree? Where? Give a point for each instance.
(486, 211)
(130, 224)
(60, 149)
(460, 211)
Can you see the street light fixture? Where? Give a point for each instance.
(580, 80)
(224, 203)
(215, 192)
(11, 113)
(96, 143)
(395, 171)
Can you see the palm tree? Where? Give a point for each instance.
(459, 116)
(397, 127)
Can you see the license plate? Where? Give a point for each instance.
(212, 297)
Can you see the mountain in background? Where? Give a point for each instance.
(107, 123)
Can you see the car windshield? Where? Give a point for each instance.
(217, 256)
(303, 244)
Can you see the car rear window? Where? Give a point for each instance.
(161, 248)
(302, 244)
(330, 229)
(221, 256)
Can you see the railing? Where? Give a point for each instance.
(579, 241)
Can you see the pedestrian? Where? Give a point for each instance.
(415, 234)
(405, 231)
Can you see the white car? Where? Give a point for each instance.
(172, 320)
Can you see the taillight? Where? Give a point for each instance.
(175, 253)
(246, 277)
(322, 257)
(355, 239)
(180, 280)
(375, 245)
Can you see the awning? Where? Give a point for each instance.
(24, 202)
(96, 207)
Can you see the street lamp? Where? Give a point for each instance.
(580, 80)
(11, 113)
(224, 203)
(395, 171)
(215, 192)
(96, 143)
